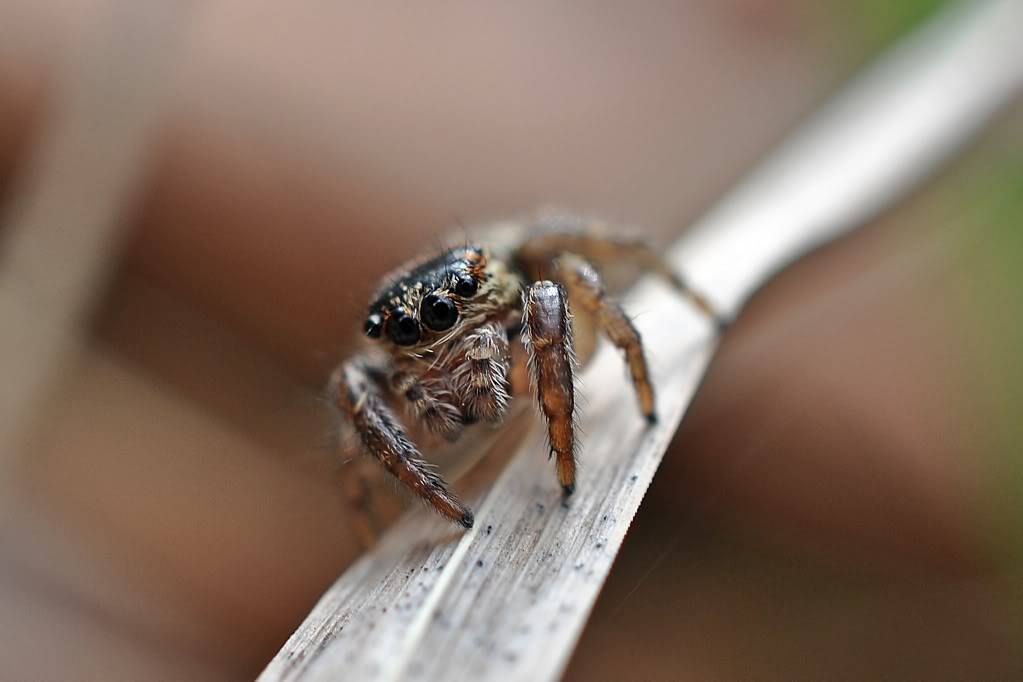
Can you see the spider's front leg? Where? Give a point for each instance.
(547, 337)
(358, 397)
(587, 290)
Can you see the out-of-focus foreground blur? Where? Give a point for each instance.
(843, 501)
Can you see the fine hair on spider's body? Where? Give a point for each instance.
(441, 337)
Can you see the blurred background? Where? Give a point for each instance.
(843, 500)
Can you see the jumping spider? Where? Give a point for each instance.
(449, 335)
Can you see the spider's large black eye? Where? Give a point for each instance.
(438, 312)
(373, 326)
(466, 286)
(403, 328)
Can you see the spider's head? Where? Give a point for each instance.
(429, 300)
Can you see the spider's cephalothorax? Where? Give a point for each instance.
(444, 333)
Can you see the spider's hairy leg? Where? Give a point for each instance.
(482, 379)
(432, 402)
(354, 392)
(587, 291)
(595, 241)
(372, 509)
(547, 337)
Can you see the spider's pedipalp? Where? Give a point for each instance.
(432, 401)
(354, 392)
(547, 337)
(587, 291)
(482, 377)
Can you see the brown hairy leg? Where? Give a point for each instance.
(547, 337)
(354, 392)
(596, 241)
(372, 509)
(586, 290)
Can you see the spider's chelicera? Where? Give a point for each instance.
(448, 336)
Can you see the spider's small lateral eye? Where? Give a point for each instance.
(438, 312)
(466, 286)
(374, 325)
(403, 328)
